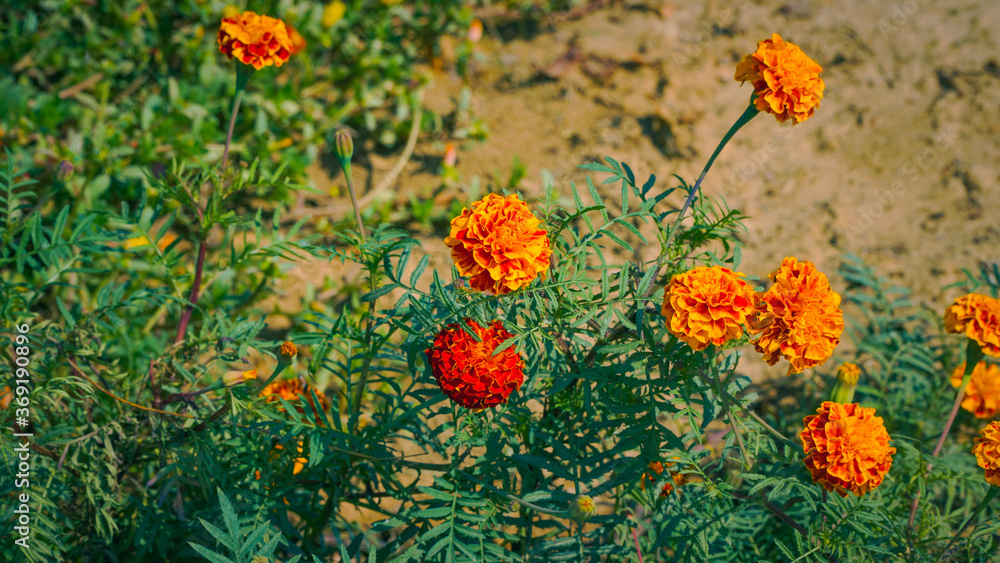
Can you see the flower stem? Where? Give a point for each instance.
(748, 114)
(199, 266)
(973, 355)
(346, 165)
(992, 492)
(242, 79)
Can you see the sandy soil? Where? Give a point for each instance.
(900, 164)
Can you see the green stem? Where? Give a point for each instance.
(345, 164)
(990, 494)
(243, 74)
(748, 114)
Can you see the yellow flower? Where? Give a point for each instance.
(978, 316)
(255, 40)
(707, 305)
(786, 82)
(232, 378)
(498, 244)
(987, 452)
(141, 241)
(982, 394)
(582, 508)
(799, 317)
(333, 13)
(847, 448)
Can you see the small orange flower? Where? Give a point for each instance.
(707, 305)
(6, 395)
(677, 480)
(786, 82)
(298, 42)
(799, 317)
(255, 40)
(847, 448)
(468, 372)
(982, 394)
(655, 469)
(295, 391)
(978, 316)
(987, 452)
(498, 244)
(288, 350)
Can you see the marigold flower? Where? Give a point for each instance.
(982, 394)
(847, 448)
(294, 391)
(231, 378)
(333, 13)
(582, 508)
(498, 244)
(288, 350)
(987, 452)
(298, 42)
(785, 81)
(468, 372)
(799, 317)
(255, 40)
(978, 316)
(6, 395)
(655, 469)
(707, 305)
(676, 481)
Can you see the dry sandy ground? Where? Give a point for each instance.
(900, 164)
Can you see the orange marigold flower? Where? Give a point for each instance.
(847, 448)
(799, 317)
(288, 350)
(255, 40)
(982, 394)
(677, 480)
(298, 42)
(655, 468)
(468, 372)
(498, 244)
(978, 316)
(707, 305)
(295, 391)
(5, 397)
(987, 452)
(785, 80)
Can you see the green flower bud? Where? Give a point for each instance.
(344, 145)
(847, 380)
(581, 508)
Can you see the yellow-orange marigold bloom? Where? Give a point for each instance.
(468, 372)
(707, 305)
(498, 244)
(288, 350)
(847, 448)
(799, 317)
(987, 452)
(785, 80)
(978, 316)
(295, 391)
(982, 394)
(255, 40)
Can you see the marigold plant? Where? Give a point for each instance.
(987, 452)
(982, 394)
(786, 81)
(295, 392)
(498, 244)
(255, 40)
(707, 305)
(798, 318)
(978, 317)
(469, 372)
(847, 448)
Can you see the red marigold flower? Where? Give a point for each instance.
(295, 391)
(786, 82)
(707, 305)
(468, 372)
(978, 316)
(799, 317)
(498, 244)
(255, 40)
(847, 448)
(987, 452)
(982, 394)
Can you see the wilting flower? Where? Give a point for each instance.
(581, 508)
(982, 394)
(799, 317)
(707, 305)
(785, 81)
(978, 316)
(469, 372)
(498, 244)
(333, 13)
(987, 452)
(231, 378)
(255, 40)
(298, 42)
(295, 391)
(847, 448)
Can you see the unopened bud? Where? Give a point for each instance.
(581, 508)
(231, 378)
(344, 145)
(847, 381)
